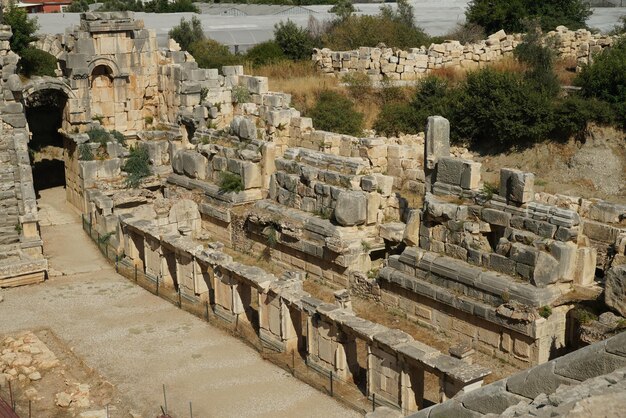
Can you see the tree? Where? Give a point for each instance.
(295, 41)
(34, 61)
(23, 27)
(539, 59)
(78, 6)
(209, 53)
(510, 15)
(343, 9)
(187, 32)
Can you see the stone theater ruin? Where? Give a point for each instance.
(403, 222)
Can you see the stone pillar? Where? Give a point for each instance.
(436, 145)
(411, 388)
(343, 300)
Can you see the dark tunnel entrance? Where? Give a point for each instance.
(44, 112)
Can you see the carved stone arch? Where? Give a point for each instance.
(114, 70)
(31, 90)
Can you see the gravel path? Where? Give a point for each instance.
(138, 341)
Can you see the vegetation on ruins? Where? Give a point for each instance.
(230, 182)
(34, 62)
(511, 15)
(137, 166)
(336, 113)
(268, 52)
(85, 153)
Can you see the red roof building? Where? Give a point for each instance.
(46, 6)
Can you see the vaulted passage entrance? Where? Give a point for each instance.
(44, 112)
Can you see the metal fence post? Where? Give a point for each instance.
(180, 302)
(135, 273)
(157, 286)
(331, 383)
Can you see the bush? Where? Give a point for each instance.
(359, 85)
(137, 166)
(85, 153)
(395, 119)
(539, 59)
(295, 42)
(268, 52)
(78, 6)
(432, 97)
(212, 54)
(98, 136)
(511, 15)
(466, 33)
(605, 79)
(187, 32)
(573, 114)
(23, 27)
(356, 31)
(34, 62)
(118, 137)
(334, 112)
(545, 311)
(499, 110)
(230, 182)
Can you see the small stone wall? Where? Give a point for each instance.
(552, 389)
(395, 366)
(412, 64)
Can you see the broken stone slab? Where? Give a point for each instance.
(588, 362)
(517, 186)
(535, 381)
(411, 232)
(615, 289)
(491, 399)
(392, 231)
(437, 143)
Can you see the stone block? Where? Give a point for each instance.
(585, 271)
(437, 142)
(450, 170)
(452, 408)
(502, 264)
(517, 186)
(546, 270)
(411, 232)
(615, 289)
(194, 164)
(495, 217)
(565, 254)
(524, 254)
(351, 208)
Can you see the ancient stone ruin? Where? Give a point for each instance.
(235, 170)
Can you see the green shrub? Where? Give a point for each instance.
(240, 94)
(230, 182)
(397, 118)
(34, 61)
(336, 113)
(583, 315)
(187, 32)
(295, 42)
(433, 96)
(78, 6)
(605, 78)
(99, 136)
(212, 54)
(466, 33)
(118, 137)
(545, 311)
(573, 114)
(343, 9)
(137, 166)
(499, 110)
(268, 52)
(539, 59)
(511, 15)
(85, 153)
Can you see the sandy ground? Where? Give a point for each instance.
(139, 342)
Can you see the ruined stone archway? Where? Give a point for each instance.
(46, 110)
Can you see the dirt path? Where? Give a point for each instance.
(138, 342)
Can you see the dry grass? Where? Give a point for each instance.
(565, 69)
(452, 75)
(508, 64)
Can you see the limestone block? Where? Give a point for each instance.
(385, 184)
(437, 143)
(496, 217)
(411, 232)
(615, 289)
(450, 170)
(546, 270)
(585, 271)
(185, 213)
(194, 165)
(373, 206)
(247, 129)
(517, 186)
(470, 180)
(251, 175)
(392, 231)
(351, 208)
(565, 253)
(369, 183)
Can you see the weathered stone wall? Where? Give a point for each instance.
(412, 64)
(21, 258)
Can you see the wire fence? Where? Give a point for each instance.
(292, 362)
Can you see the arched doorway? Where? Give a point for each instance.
(45, 112)
(102, 94)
